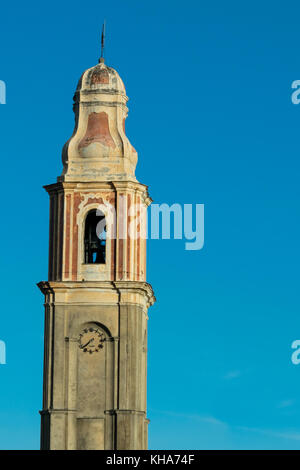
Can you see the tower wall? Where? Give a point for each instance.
(95, 401)
(126, 246)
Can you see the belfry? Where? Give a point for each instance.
(96, 296)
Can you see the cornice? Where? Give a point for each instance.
(116, 186)
(122, 287)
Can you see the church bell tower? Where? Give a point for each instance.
(96, 296)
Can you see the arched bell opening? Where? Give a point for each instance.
(95, 238)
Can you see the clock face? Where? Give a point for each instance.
(91, 340)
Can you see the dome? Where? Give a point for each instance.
(101, 78)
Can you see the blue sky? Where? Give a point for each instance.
(212, 119)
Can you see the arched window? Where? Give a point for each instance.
(94, 238)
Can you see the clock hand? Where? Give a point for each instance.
(90, 341)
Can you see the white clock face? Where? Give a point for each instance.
(91, 340)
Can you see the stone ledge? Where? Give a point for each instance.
(124, 291)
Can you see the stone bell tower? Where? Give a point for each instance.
(97, 297)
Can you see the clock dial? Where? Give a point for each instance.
(91, 340)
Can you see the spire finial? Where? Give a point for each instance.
(102, 43)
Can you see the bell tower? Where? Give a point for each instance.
(96, 296)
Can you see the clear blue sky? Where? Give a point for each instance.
(212, 119)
